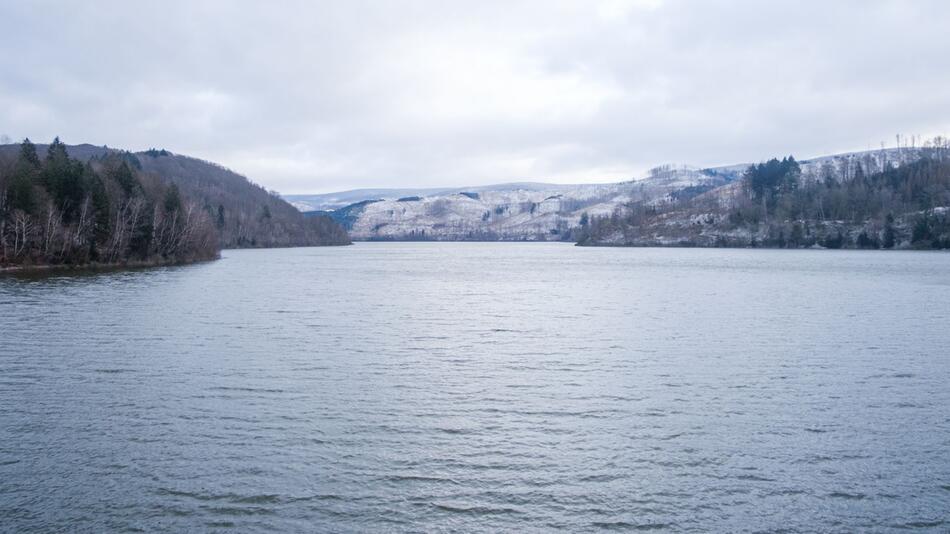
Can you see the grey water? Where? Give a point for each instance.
(481, 387)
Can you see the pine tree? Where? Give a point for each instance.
(123, 176)
(20, 192)
(172, 199)
(28, 154)
(101, 207)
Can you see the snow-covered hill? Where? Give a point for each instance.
(538, 211)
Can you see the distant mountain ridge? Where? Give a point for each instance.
(336, 200)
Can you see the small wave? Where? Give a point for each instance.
(600, 478)
(241, 511)
(849, 496)
(921, 524)
(245, 389)
(456, 430)
(476, 510)
(229, 497)
(419, 478)
(257, 499)
(755, 478)
(786, 491)
(624, 525)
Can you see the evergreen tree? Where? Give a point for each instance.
(102, 209)
(172, 199)
(28, 154)
(123, 176)
(57, 161)
(21, 189)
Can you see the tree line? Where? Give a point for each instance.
(62, 211)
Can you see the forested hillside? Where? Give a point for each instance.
(245, 214)
(777, 204)
(83, 204)
(59, 210)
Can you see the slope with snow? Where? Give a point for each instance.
(539, 211)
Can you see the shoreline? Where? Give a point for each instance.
(132, 265)
(693, 245)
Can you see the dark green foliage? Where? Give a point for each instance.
(890, 236)
(766, 180)
(931, 230)
(797, 238)
(20, 192)
(865, 241)
(834, 242)
(26, 172)
(64, 211)
(63, 179)
(172, 201)
(134, 186)
(102, 208)
(690, 192)
(28, 154)
(131, 159)
(141, 240)
(122, 174)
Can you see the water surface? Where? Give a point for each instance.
(477, 386)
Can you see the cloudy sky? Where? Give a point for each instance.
(315, 97)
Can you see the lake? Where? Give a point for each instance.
(481, 387)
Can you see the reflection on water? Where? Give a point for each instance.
(481, 387)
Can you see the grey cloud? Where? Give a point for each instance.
(318, 96)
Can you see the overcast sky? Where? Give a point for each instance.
(315, 97)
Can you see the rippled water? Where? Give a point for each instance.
(507, 387)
